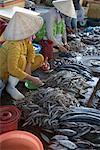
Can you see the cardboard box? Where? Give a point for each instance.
(94, 11)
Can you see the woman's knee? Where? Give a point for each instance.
(38, 60)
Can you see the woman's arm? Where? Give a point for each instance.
(30, 56)
(30, 52)
(13, 59)
(35, 80)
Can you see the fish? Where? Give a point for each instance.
(78, 113)
(70, 67)
(67, 132)
(83, 118)
(85, 109)
(59, 137)
(82, 132)
(95, 131)
(82, 67)
(45, 138)
(75, 68)
(55, 146)
(69, 125)
(68, 144)
(84, 144)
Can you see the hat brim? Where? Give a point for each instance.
(66, 7)
(22, 26)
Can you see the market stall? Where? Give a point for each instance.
(58, 112)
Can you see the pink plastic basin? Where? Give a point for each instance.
(20, 140)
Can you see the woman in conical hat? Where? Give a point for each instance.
(17, 55)
(55, 24)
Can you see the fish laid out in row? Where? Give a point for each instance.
(70, 82)
(79, 69)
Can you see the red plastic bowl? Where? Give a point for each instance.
(20, 140)
(9, 116)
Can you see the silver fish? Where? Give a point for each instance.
(67, 132)
(68, 144)
(59, 137)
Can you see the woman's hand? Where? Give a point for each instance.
(45, 66)
(63, 49)
(37, 81)
(70, 30)
(67, 46)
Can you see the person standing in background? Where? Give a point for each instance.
(71, 23)
(77, 8)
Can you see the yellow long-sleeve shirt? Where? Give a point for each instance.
(14, 55)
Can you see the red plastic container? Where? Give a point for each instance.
(47, 48)
(9, 116)
(20, 140)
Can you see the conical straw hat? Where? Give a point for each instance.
(66, 7)
(22, 26)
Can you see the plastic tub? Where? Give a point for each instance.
(20, 140)
(37, 48)
(9, 116)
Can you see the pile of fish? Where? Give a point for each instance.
(64, 60)
(67, 55)
(70, 82)
(96, 100)
(45, 106)
(87, 42)
(91, 35)
(76, 46)
(71, 127)
(74, 67)
(79, 129)
(84, 49)
(81, 114)
(91, 39)
(91, 50)
(53, 109)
